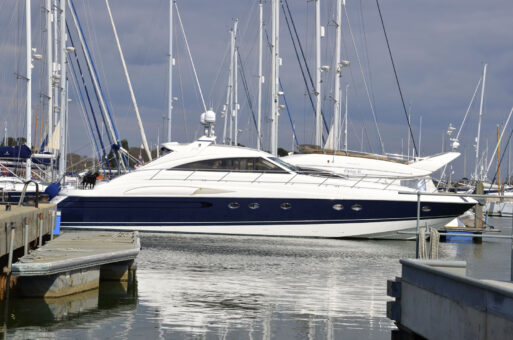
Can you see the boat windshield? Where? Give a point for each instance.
(284, 164)
(246, 164)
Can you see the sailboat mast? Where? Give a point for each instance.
(49, 69)
(479, 122)
(260, 77)
(236, 94)
(498, 162)
(275, 75)
(63, 101)
(318, 118)
(346, 121)
(28, 165)
(338, 72)
(170, 79)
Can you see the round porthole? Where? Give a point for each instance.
(286, 206)
(338, 207)
(356, 207)
(233, 205)
(426, 208)
(254, 205)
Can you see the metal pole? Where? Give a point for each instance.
(41, 230)
(11, 248)
(25, 248)
(171, 62)
(418, 226)
(511, 262)
(63, 100)
(236, 96)
(274, 76)
(346, 118)
(318, 118)
(338, 73)
(52, 223)
(49, 66)
(260, 79)
(28, 166)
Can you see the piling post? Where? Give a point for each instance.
(40, 230)
(478, 223)
(418, 226)
(26, 238)
(52, 223)
(11, 248)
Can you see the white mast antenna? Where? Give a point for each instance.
(479, 122)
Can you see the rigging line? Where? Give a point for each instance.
(469, 105)
(366, 54)
(290, 116)
(84, 111)
(397, 79)
(246, 89)
(365, 81)
(87, 94)
(302, 55)
(190, 56)
(82, 105)
(500, 162)
(301, 68)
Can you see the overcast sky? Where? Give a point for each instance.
(439, 48)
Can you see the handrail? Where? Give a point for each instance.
(22, 196)
(418, 193)
(293, 180)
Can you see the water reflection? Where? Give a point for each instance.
(261, 287)
(219, 287)
(24, 316)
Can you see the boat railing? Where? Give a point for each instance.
(22, 196)
(445, 194)
(295, 178)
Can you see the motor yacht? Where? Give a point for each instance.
(202, 187)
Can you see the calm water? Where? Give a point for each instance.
(211, 287)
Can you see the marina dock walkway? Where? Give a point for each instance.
(76, 262)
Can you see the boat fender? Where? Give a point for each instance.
(53, 190)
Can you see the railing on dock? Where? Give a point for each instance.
(478, 196)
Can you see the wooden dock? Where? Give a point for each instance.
(76, 262)
(27, 224)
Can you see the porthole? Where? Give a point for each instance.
(426, 208)
(233, 205)
(338, 206)
(286, 206)
(254, 205)
(356, 207)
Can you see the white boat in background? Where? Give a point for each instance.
(375, 167)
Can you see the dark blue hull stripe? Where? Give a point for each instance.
(201, 211)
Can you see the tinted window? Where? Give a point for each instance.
(232, 164)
